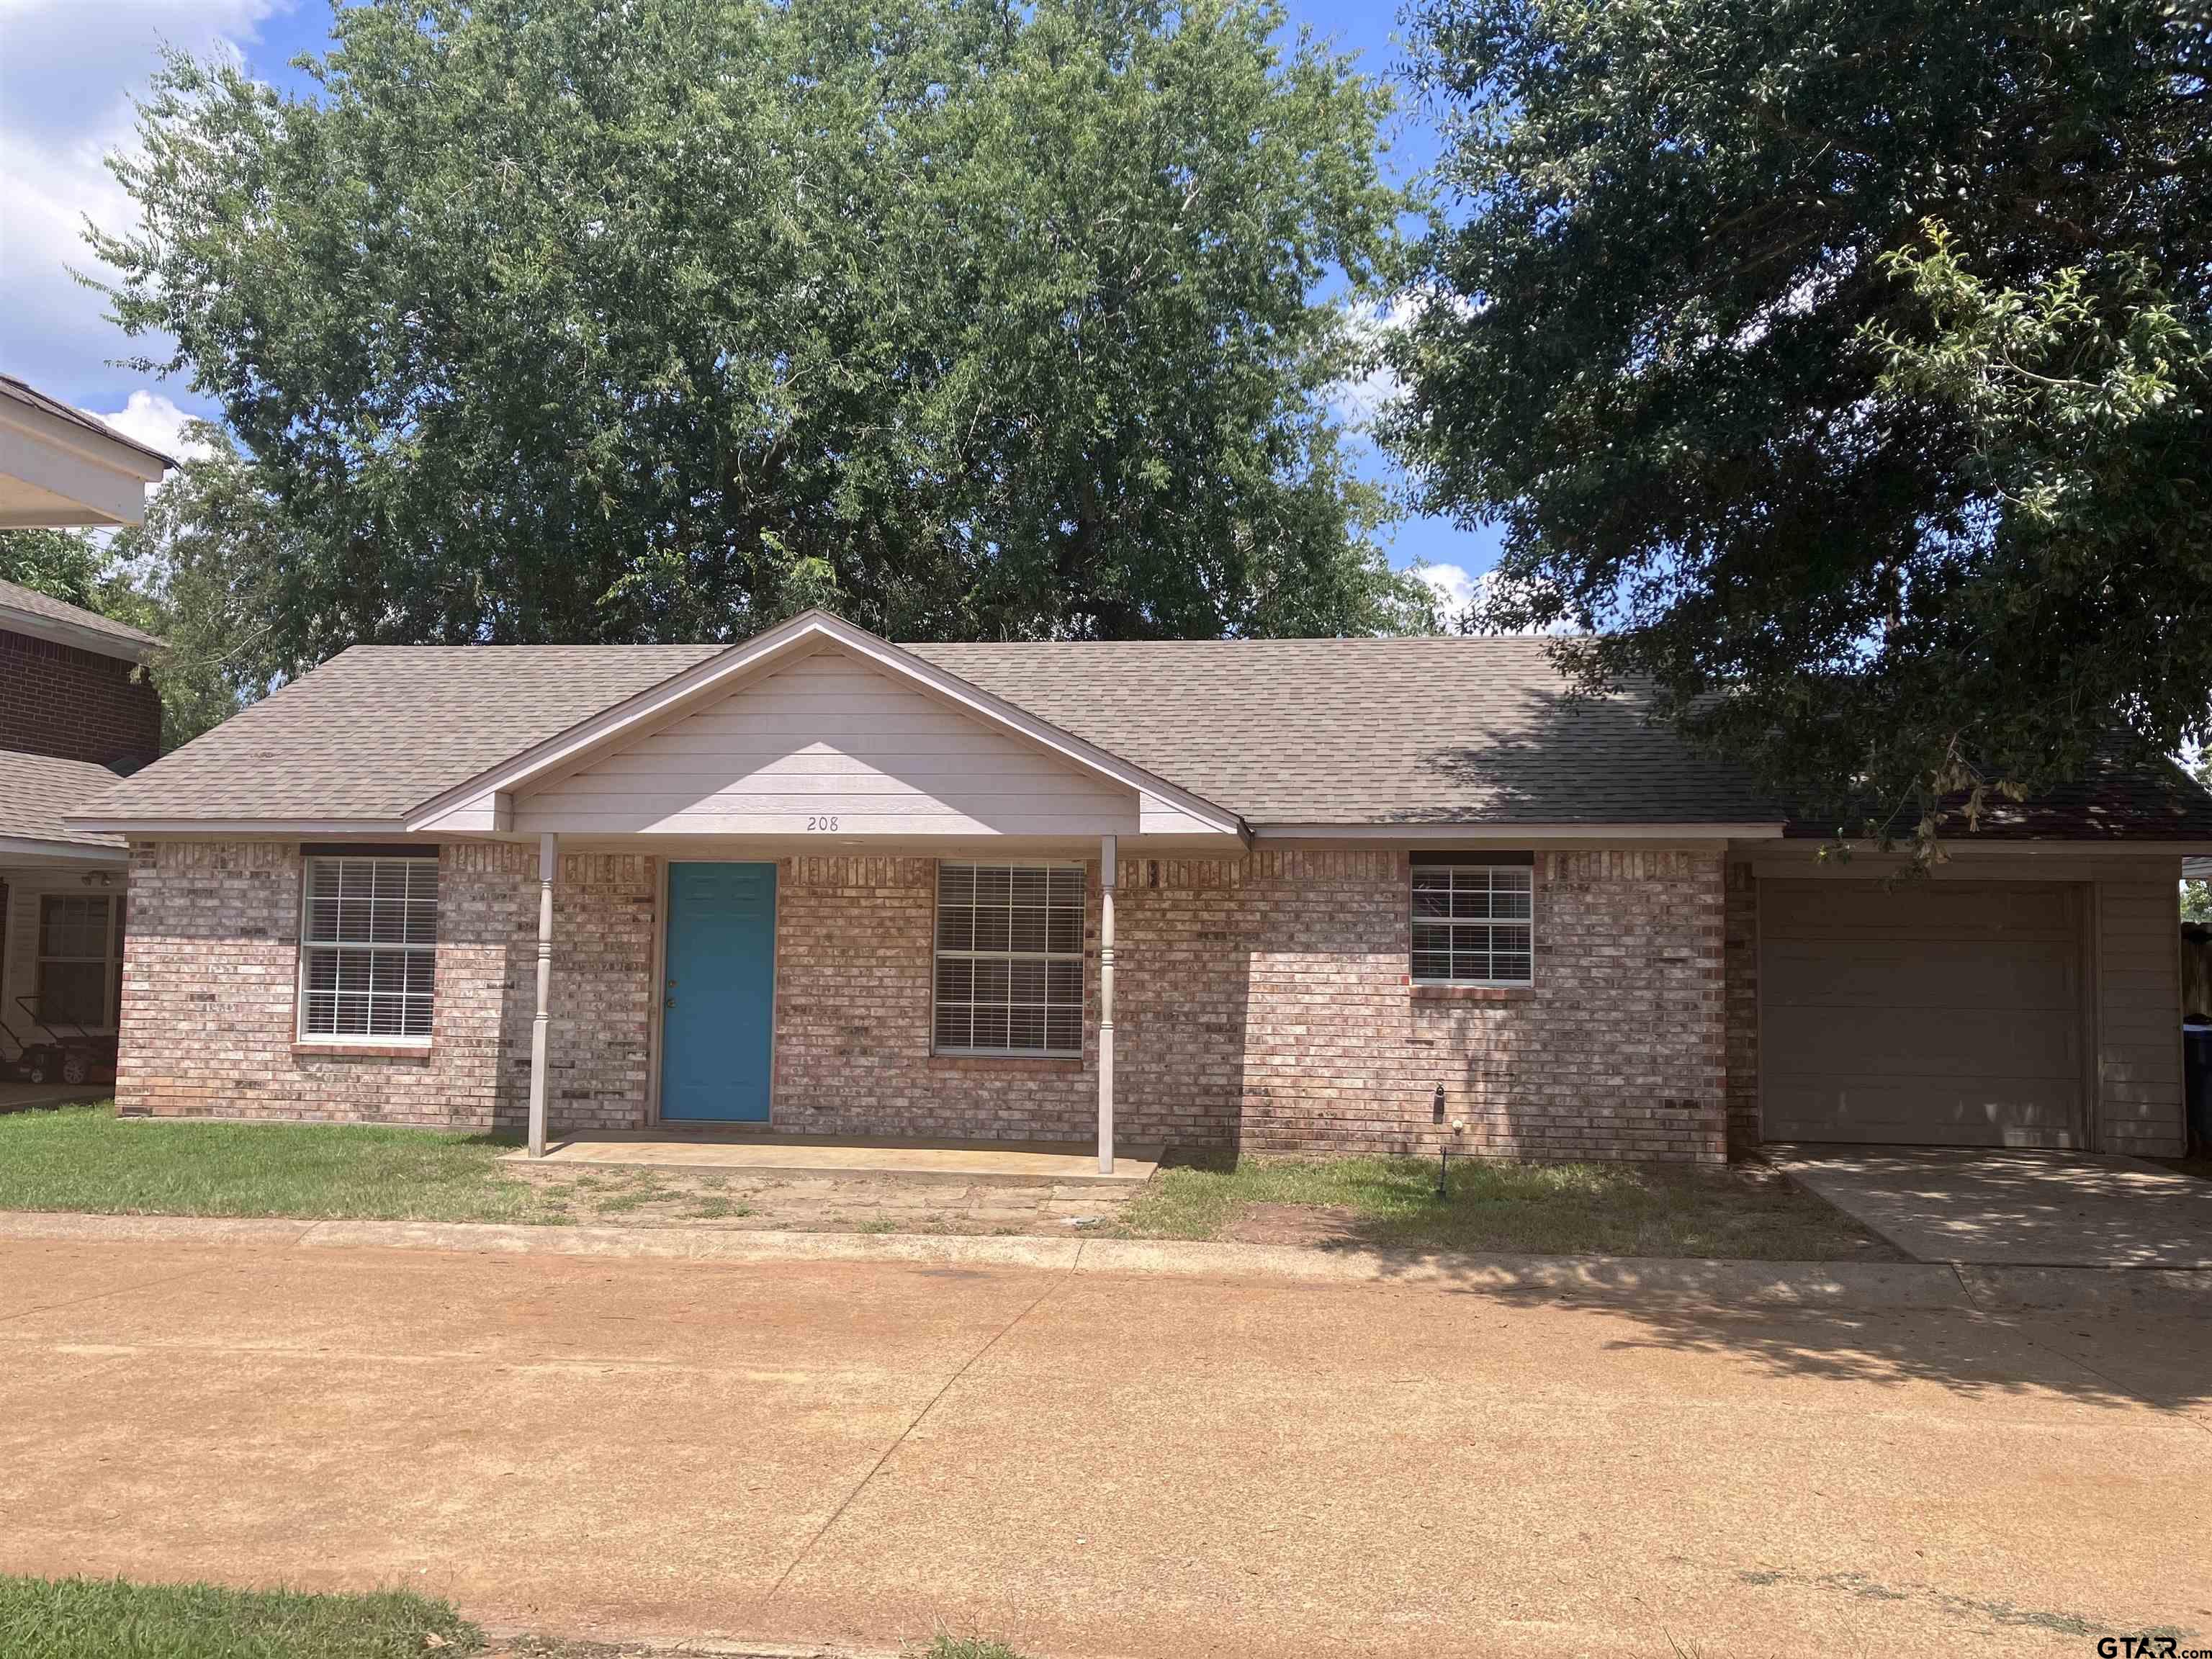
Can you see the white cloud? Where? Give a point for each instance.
(1455, 589)
(68, 68)
(153, 419)
(1458, 589)
(1357, 402)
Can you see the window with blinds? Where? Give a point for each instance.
(1009, 976)
(1474, 924)
(368, 955)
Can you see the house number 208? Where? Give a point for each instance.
(821, 822)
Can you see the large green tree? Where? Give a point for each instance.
(545, 319)
(1847, 366)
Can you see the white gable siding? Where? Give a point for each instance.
(829, 737)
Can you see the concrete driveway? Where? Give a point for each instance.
(1091, 1466)
(1994, 1207)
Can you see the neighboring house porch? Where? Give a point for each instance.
(76, 707)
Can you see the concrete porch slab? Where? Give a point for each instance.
(2016, 1207)
(1010, 1163)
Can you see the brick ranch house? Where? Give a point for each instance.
(1309, 896)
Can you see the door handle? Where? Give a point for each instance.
(671, 1003)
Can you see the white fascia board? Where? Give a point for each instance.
(62, 632)
(264, 829)
(1507, 834)
(14, 848)
(801, 636)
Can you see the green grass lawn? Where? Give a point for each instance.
(1544, 1209)
(108, 1619)
(84, 1157)
(111, 1618)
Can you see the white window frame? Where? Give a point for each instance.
(111, 935)
(1047, 956)
(307, 943)
(1489, 871)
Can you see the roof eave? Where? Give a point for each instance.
(171, 824)
(1505, 833)
(61, 631)
(17, 849)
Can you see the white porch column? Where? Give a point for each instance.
(548, 865)
(1106, 874)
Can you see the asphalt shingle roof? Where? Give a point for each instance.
(13, 596)
(378, 730)
(2157, 802)
(1366, 731)
(1383, 731)
(1423, 731)
(36, 790)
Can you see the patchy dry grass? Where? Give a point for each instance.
(1542, 1209)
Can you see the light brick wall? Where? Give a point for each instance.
(1262, 1002)
(1290, 968)
(209, 978)
(854, 956)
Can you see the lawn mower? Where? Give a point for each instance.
(61, 1052)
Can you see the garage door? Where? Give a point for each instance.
(1936, 1011)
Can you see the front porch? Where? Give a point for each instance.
(968, 1163)
(911, 1008)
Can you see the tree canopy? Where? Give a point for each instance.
(543, 321)
(1847, 365)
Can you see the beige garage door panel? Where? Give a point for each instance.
(1944, 1012)
(2006, 978)
(1967, 1044)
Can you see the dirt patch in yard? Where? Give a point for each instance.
(1323, 1226)
(752, 1201)
(1742, 1212)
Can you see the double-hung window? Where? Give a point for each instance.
(80, 959)
(1473, 923)
(369, 947)
(1009, 959)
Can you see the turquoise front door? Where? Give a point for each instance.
(718, 1016)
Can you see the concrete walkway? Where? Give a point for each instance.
(1039, 1162)
(2002, 1208)
(1094, 1464)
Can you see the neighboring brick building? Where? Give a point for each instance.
(77, 708)
(1361, 895)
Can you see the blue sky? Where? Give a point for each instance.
(67, 68)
